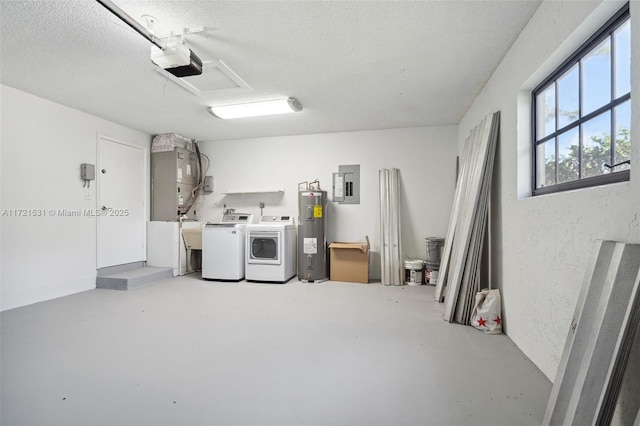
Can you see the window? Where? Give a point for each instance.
(582, 114)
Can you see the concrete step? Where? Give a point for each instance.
(133, 278)
(120, 268)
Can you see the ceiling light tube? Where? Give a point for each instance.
(256, 109)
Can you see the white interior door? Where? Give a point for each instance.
(121, 182)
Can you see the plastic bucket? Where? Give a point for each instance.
(435, 245)
(413, 272)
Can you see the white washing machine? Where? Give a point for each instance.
(223, 248)
(271, 250)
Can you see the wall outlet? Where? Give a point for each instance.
(87, 195)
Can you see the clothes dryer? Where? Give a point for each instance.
(271, 250)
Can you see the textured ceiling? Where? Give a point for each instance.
(354, 65)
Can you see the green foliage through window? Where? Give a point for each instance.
(594, 157)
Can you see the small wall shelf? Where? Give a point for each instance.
(254, 191)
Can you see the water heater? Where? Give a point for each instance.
(312, 238)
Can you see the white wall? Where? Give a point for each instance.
(43, 145)
(541, 244)
(425, 156)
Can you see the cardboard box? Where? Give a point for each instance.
(350, 261)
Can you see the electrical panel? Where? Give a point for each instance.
(87, 174)
(87, 171)
(346, 185)
(174, 175)
(208, 184)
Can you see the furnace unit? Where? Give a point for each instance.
(176, 176)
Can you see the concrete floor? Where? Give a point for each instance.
(190, 352)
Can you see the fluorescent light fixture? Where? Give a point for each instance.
(255, 109)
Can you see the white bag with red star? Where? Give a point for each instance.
(486, 315)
